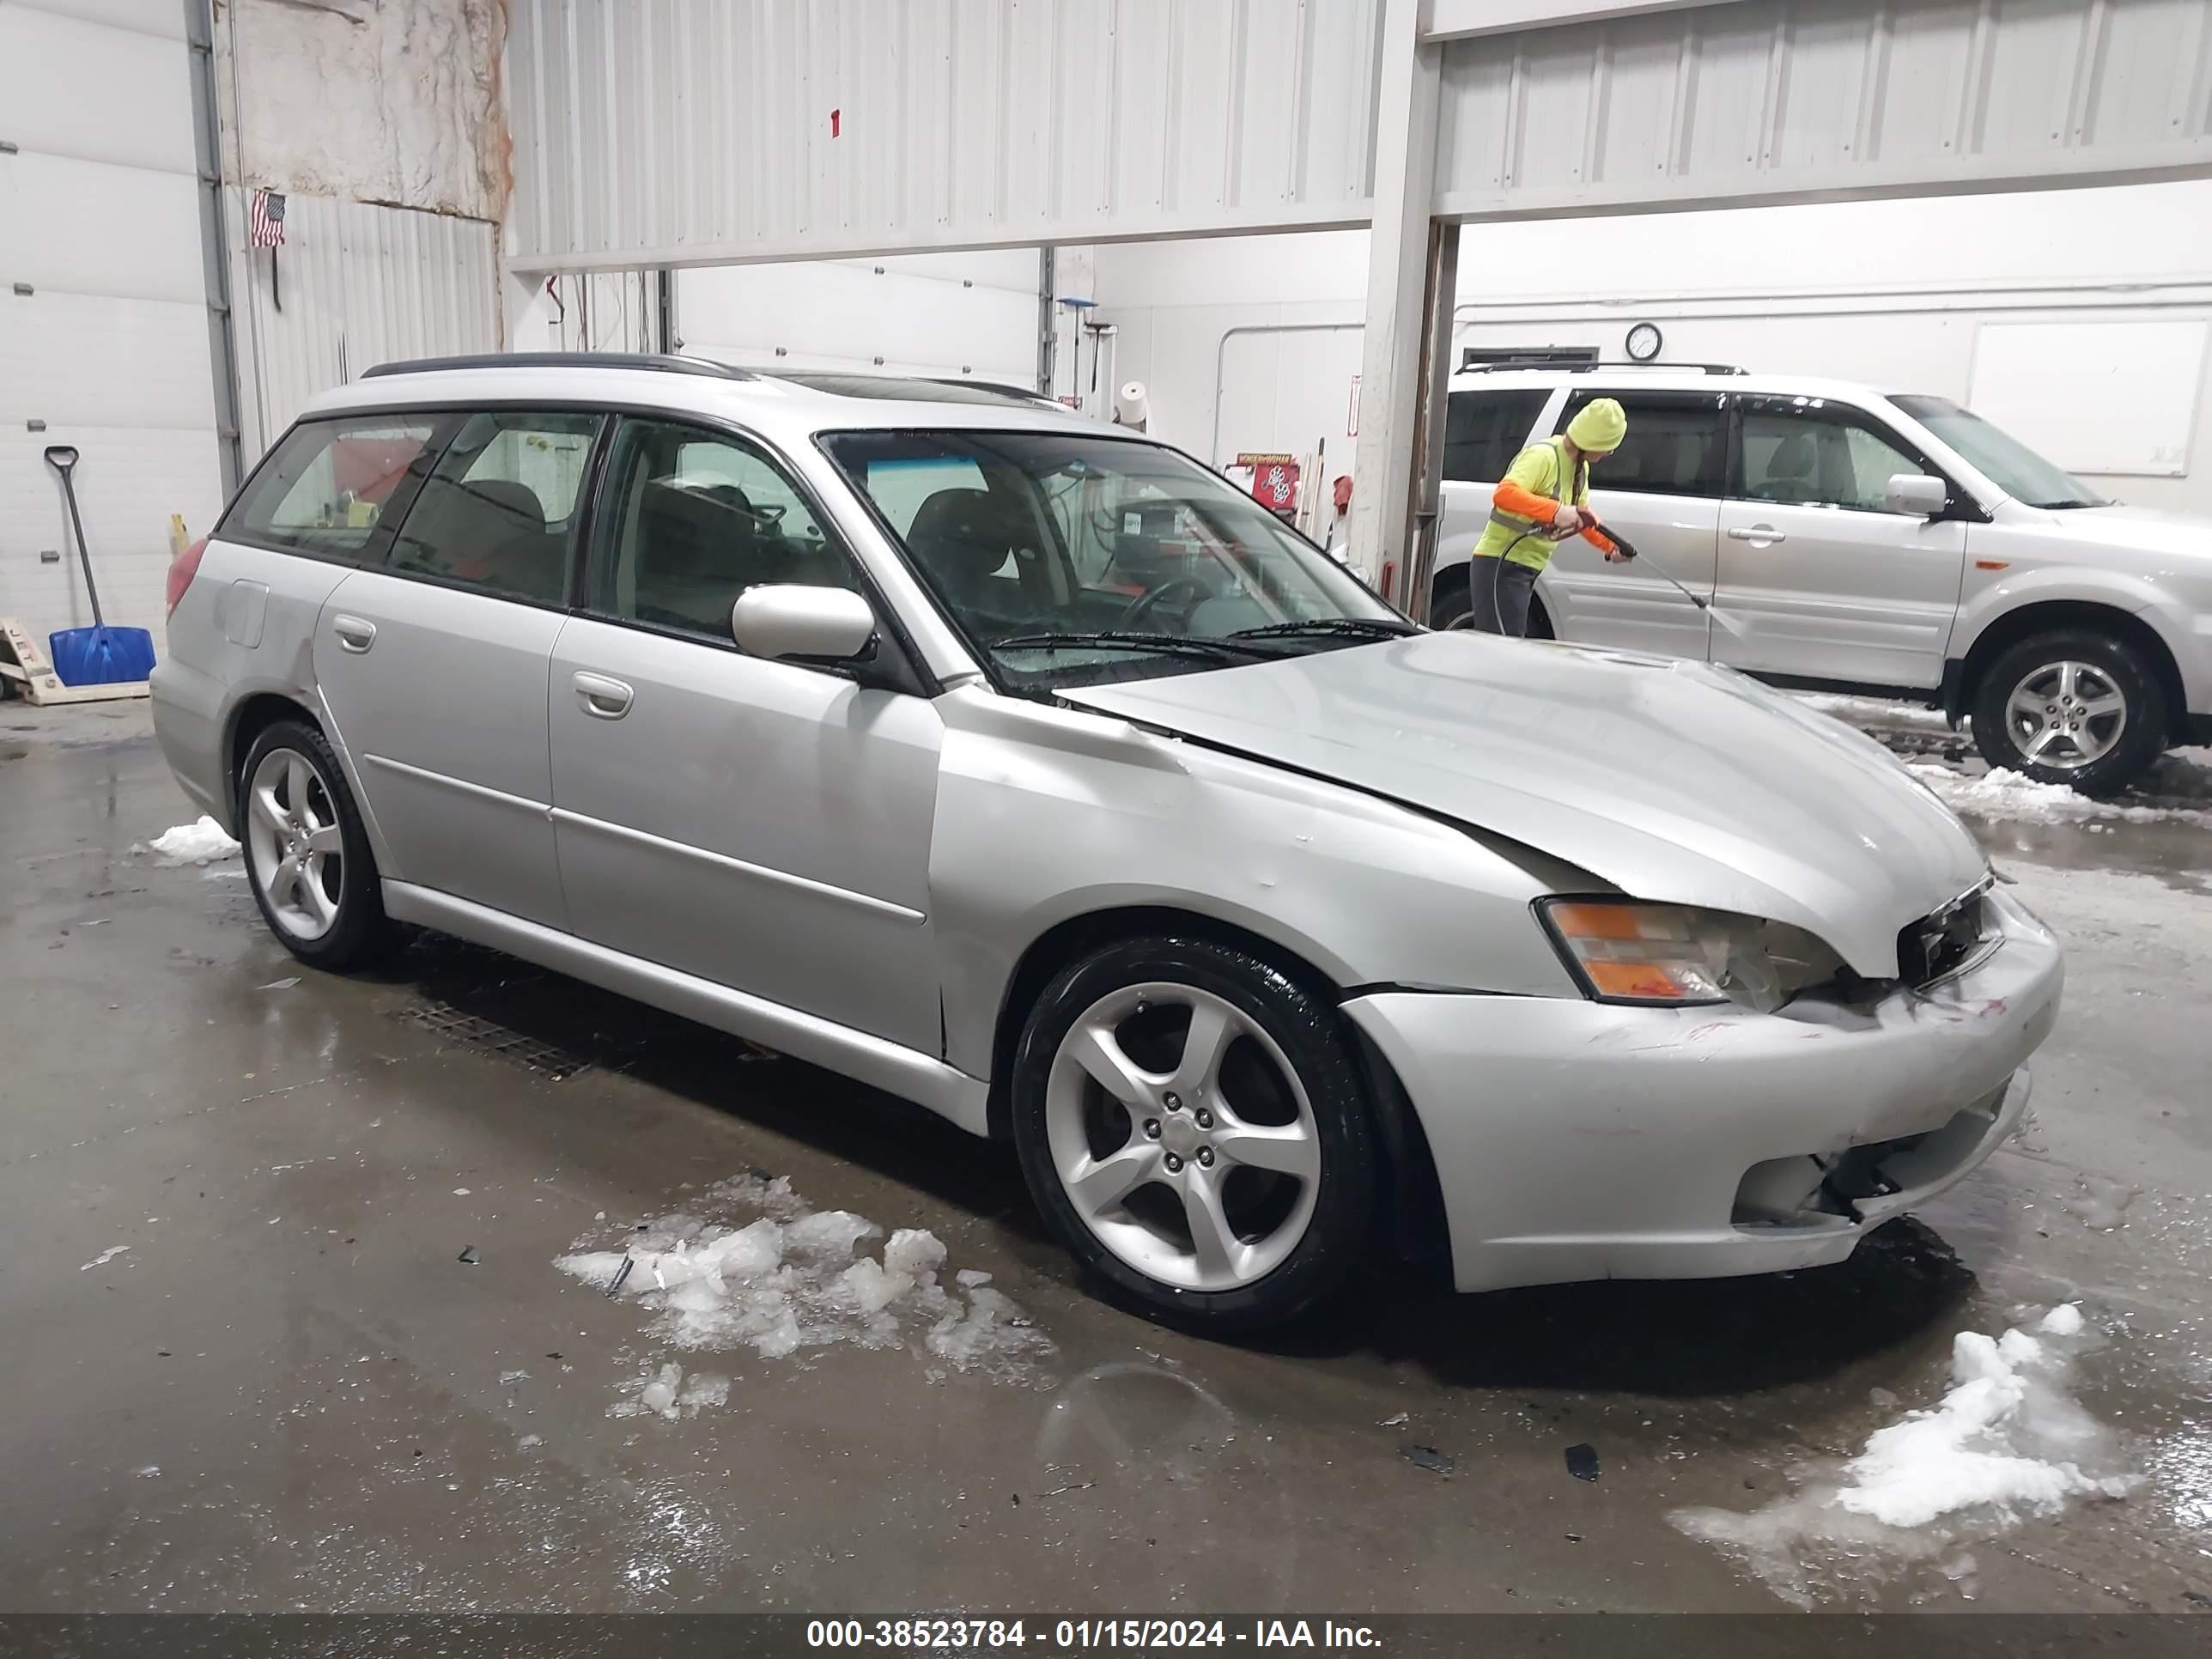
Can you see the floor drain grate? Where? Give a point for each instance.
(487, 1036)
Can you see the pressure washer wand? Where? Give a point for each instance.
(1628, 548)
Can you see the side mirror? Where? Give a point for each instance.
(1917, 494)
(793, 623)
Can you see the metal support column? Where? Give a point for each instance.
(214, 248)
(1047, 321)
(1401, 256)
(1430, 409)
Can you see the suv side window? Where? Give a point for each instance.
(692, 518)
(498, 511)
(1484, 430)
(1806, 452)
(1677, 442)
(334, 489)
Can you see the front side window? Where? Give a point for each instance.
(2005, 461)
(1065, 558)
(334, 488)
(1811, 453)
(692, 519)
(1677, 443)
(498, 510)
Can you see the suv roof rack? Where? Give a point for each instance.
(1591, 369)
(1005, 388)
(645, 360)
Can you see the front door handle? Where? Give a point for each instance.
(355, 633)
(1766, 535)
(602, 698)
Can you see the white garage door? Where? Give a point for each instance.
(969, 316)
(103, 306)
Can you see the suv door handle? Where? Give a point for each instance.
(355, 633)
(1764, 534)
(602, 698)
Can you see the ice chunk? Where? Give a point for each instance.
(104, 1257)
(2064, 1320)
(660, 1394)
(2006, 1442)
(704, 1389)
(202, 841)
(831, 1235)
(791, 1278)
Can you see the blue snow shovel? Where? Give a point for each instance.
(98, 655)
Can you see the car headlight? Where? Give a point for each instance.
(1664, 956)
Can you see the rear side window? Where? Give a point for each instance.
(334, 488)
(498, 511)
(1677, 443)
(1484, 430)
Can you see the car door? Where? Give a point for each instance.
(1661, 489)
(765, 825)
(1819, 578)
(433, 664)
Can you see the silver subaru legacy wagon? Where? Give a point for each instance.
(1025, 768)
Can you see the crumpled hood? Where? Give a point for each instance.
(1669, 779)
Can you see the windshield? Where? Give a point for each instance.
(1069, 559)
(2009, 464)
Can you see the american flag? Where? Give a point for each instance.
(267, 216)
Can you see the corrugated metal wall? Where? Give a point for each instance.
(1804, 97)
(700, 131)
(354, 285)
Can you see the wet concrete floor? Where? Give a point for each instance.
(287, 1392)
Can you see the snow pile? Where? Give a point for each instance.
(200, 842)
(2003, 794)
(2006, 1443)
(1875, 711)
(795, 1278)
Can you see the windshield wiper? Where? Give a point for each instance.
(2071, 500)
(1373, 627)
(1219, 650)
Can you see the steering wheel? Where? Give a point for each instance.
(1142, 606)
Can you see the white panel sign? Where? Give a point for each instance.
(2109, 397)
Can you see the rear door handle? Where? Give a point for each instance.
(1765, 533)
(602, 698)
(355, 633)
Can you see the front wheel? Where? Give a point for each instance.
(1195, 1127)
(2073, 707)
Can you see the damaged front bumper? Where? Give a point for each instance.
(1579, 1140)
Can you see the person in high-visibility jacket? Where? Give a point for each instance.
(1543, 499)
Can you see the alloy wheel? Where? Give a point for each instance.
(293, 838)
(2066, 715)
(1182, 1137)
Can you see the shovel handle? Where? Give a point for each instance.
(62, 458)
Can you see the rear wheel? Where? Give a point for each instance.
(1195, 1129)
(2073, 707)
(306, 855)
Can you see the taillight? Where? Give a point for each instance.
(182, 570)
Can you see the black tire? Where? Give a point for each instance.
(1306, 1030)
(1449, 603)
(359, 930)
(2135, 746)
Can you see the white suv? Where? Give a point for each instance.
(1850, 539)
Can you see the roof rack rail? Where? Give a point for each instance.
(1006, 388)
(1591, 369)
(647, 359)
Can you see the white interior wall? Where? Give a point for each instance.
(1891, 292)
(108, 349)
(381, 122)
